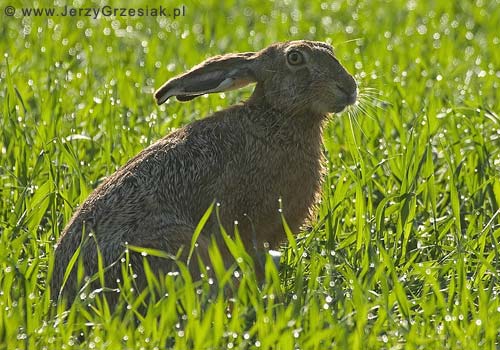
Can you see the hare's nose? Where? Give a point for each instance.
(351, 99)
(350, 92)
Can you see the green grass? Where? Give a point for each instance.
(405, 250)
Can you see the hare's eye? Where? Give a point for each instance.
(295, 58)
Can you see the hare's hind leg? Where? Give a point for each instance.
(173, 239)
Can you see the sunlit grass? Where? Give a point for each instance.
(405, 249)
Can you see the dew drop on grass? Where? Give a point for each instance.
(171, 67)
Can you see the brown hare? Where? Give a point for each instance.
(251, 158)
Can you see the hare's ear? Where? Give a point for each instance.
(220, 73)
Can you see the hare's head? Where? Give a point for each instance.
(292, 75)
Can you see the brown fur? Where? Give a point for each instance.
(245, 157)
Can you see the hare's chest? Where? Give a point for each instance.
(300, 177)
(291, 186)
(294, 176)
(262, 185)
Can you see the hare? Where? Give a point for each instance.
(259, 160)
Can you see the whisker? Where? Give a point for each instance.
(350, 41)
(372, 100)
(354, 137)
(366, 108)
(371, 89)
(355, 116)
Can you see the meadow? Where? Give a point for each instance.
(404, 252)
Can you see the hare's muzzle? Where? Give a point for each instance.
(345, 95)
(351, 98)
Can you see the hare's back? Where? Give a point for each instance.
(175, 177)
